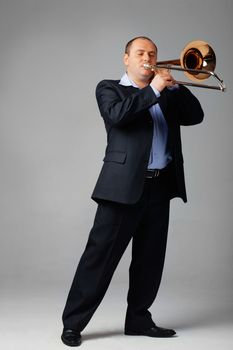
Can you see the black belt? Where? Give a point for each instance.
(153, 173)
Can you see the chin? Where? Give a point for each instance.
(147, 75)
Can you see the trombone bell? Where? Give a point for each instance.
(198, 55)
(197, 61)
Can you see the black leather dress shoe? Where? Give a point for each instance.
(156, 332)
(71, 337)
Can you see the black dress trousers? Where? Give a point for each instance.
(146, 223)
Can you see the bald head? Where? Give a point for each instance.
(130, 43)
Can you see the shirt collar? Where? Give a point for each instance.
(126, 81)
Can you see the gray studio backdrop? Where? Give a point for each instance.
(53, 53)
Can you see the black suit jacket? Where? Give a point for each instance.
(129, 128)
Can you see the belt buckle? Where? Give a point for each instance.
(157, 172)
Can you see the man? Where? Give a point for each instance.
(142, 172)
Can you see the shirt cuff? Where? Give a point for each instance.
(173, 88)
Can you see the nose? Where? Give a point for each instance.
(146, 57)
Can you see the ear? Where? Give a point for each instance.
(126, 59)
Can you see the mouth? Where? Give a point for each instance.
(147, 66)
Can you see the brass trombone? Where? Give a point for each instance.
(197, 61)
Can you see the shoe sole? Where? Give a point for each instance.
(69, 344)
(147, 335)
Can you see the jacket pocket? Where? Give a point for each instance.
(115, 156)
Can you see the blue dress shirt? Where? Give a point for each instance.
(160, 155)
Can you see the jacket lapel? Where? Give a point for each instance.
(163, 103)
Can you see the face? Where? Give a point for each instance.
(141, 51)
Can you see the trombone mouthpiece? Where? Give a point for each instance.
(147, 66)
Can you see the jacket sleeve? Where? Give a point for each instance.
(118, 110)
(189, 110)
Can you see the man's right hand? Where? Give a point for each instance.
(162, 79)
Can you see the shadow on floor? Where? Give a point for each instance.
(201, 318)
(103, 334)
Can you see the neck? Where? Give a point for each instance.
(141, 84)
